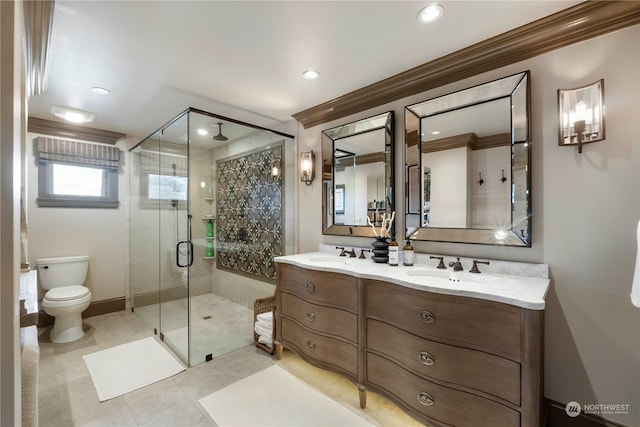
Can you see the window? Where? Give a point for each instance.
(164, 176)
(167, 187)
(76, 174)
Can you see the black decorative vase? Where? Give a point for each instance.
(380, 250)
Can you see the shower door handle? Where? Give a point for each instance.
(190, 252)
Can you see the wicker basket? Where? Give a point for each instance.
(264, 305)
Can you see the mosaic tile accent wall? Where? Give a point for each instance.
(249, 213)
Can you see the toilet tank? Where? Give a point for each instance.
(62, 271)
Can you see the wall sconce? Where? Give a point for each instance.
(275, 169)
(306, 167)
(581, 115)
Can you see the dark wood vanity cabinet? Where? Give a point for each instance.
(445, 359)
(451, 360)
(317, 317)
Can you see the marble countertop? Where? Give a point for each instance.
(522, 291)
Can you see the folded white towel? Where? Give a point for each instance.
(265, 317)
(635, 286)
(265, 324)
(261, 330)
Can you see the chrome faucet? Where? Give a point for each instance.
(474, 269)
(457, 266)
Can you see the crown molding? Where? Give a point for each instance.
(575, 24)
(64, 130)
(38, 29)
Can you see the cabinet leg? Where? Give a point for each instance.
(278, 352)
(363, 397)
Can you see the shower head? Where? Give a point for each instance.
(220, 136)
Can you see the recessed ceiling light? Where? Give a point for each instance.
(310, 74)
(73, 115)
(202, 132)
(435, 132)
(100, 90)
(431, 13)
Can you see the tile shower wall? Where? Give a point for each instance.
(240, 288)
(250, 213)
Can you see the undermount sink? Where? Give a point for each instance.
(461, 276)
(443, 274)
(336, 259)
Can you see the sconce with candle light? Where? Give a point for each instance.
(306, 167)
(581, 115)
(275, 169)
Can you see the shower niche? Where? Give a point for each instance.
(179, 228)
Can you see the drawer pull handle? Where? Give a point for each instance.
(311, 317)
(310, 287)
(426, 358)
(311, 345)
(426, 316)
(425, 399)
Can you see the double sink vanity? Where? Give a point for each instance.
(450, 348)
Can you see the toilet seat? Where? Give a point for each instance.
(67, 293)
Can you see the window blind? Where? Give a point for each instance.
(77, 153)
(163, 163)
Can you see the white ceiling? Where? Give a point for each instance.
(244, 59)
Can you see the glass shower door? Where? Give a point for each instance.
(174, 233)
(144, 223)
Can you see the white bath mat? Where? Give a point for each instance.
(127, 367)
(274, 397)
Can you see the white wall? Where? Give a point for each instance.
(585, 210)
(99, 233)
(450, 192)
(491, 201)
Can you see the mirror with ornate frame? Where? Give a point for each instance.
(357, 175)
(467, 160)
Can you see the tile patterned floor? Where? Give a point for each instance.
(211, 316)
(67, 397)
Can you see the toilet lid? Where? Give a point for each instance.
(66, 293)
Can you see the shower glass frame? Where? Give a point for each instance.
(169, 229)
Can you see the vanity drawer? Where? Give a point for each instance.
(322, 319)
(337, 353)
(481, 371)
(440, 403)
(483, 325)
(319, 287)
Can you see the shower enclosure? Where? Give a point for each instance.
(173, 233)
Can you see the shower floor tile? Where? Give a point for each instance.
(218, 325)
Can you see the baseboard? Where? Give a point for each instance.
(105, 306)
(556, 416)
(96, 308)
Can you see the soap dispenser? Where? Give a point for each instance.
(408, 254)
(393, 253)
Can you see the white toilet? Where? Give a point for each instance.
(66, 298)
